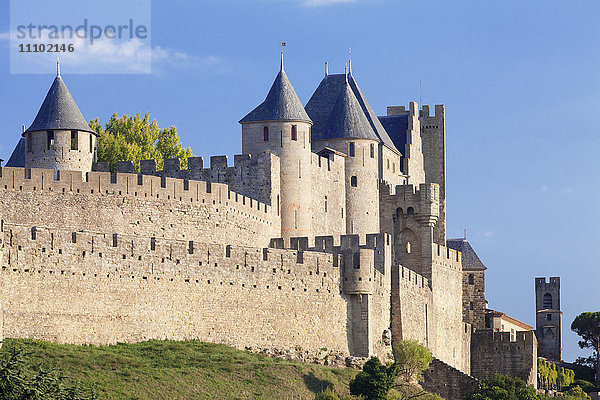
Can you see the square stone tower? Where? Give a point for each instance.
(548, 318)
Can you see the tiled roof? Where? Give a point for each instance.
(17, 158)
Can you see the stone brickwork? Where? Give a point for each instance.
(448, 382)
(89, 287)
(133, 204)
(329, 194)
(474, 305)
(494, 353)
(60, 150)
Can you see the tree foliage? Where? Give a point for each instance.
(551, 376)
(587, 325)
(135, 138)
(376, 380)
(412, 359)
(19, 382)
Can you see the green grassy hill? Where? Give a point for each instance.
(181, 370)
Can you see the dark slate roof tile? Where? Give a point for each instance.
(59, 111)
(347, 119)
(281, 104)
(17, 158)
(470, 260)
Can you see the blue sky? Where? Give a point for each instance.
(520, 81)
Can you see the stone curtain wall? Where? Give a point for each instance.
(493, 353)
(411, 306)
(447, 381)
(84, 287)
(135, 204)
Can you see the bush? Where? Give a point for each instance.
(375, 380)
(504, 388)
(576, 392)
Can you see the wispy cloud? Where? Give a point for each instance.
(322, 3)
(488, 234)
(544, 188)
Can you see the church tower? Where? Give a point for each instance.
(548, 318)
(60, 138)
(281, 126)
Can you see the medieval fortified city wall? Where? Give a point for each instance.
(325, 239)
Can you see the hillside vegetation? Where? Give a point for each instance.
(179, 370)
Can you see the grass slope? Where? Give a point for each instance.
(181, 370)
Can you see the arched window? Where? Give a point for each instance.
(266, 133)
(399, 212)
(372, 150)
(548, 317)
(74, 140)
(410, 211)
(351, 149)
(547, 303)
(471, 279)
(353, 181)
(470, 305)
(407, 247)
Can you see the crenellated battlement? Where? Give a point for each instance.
(411, 277)
(422, 202)
(127, 185)
(38, 249)
(447, 257)
(439, 112)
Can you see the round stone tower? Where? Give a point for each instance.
(60, 138)
(348, 130)
(281, 126)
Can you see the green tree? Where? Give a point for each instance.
(504, 388)
(376, 380)
(412, 359)
(577, 392)
(135, 138)
(587, 325)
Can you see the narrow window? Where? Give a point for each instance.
(394, 167)
(388, 163)
(152, 243)
(114, 240)
(547, 301)
(294, 132)
(548, 317)
(351, 149)
(470, 305)
(325, 203)
(91, 143)
(277, 204)
(471, 279)
(342, 212)
(353, 181)
(266, 133)
(407, 247)
(29, 145)
(191, 247)
(33, 233)
(372, 150)
(299, 169)
(74, 140)
(50, 140)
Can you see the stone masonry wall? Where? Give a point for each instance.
(493, 353)
(328, 195)
(411, 306)
(135, 204)
(474, 298)
(90, 287)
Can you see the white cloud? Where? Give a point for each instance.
(488, 234)
(544, 188)
(321, 3)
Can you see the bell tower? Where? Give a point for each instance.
(548, 318)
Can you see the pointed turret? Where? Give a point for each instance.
(59, 111)
(59, 137)
(347, 119)
(281, 104)
(281, 126)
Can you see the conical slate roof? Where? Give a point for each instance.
(281, 104)
(59, 111)
(347, 119)
(17, 158)
(321, 103)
